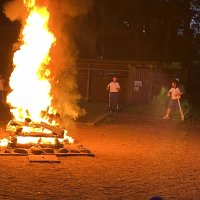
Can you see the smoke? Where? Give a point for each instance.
(65, 93)
(15, 10)
(71, 8)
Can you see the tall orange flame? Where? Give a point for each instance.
(29, 80)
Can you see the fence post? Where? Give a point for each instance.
(130, 89)
(88, 83)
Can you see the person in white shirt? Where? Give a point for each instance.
(175, 94)
(113, 88)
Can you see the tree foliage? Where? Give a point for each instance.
(165, 30)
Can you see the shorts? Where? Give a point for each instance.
(173, 104)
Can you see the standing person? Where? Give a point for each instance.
(113, 88)
(1, 88)
(175, 94)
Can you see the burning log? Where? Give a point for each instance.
(54, 129)
(63, 150)
(20, 151)
(58, 144)
(28, 120)
(37, 134)
(48, 150)
(36, 129)
(37, 141)
(13, 142)
(7, 151)
(36, 150)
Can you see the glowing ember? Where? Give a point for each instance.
(27, 129)
(4, 142)
(35, 140)
(43, 140)
(68, 138)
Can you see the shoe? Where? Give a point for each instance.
(166, 117)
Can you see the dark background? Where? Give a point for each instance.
(167, 31)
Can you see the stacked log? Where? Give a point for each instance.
(39, 130)
(17, 128)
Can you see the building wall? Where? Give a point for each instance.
(135, 78)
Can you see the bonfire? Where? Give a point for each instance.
(35, 121)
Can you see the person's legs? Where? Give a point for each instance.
(109, 106)
(116, 106)
(182, 114)
(174, 104)
(167, 113)
(180, 110)
(169, 109)
(111, 103)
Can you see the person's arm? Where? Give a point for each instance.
(169, 93)
(108, 86)
(118, 87)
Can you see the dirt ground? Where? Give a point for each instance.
(135, 159)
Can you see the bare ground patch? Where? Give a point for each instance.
(135, 158)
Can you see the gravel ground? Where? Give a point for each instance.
(135, 159)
